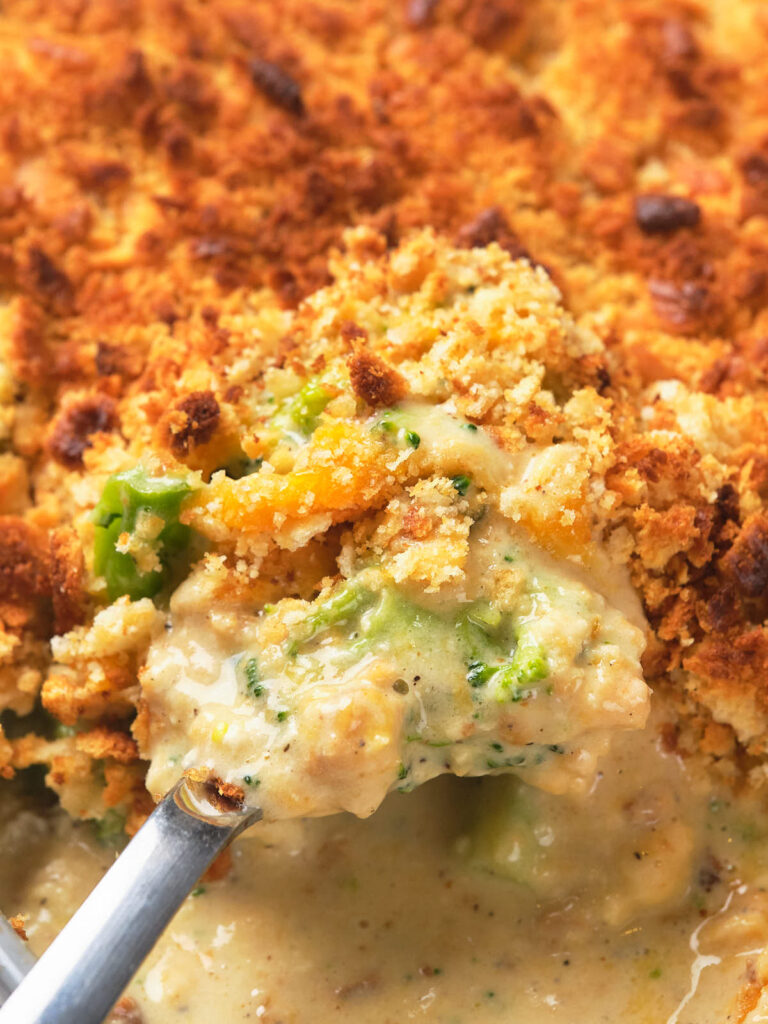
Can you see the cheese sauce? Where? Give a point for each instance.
(316, 707)
(642, 901)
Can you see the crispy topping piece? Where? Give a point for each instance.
(277, 85)
(199, 418)
(72, 431)
(48, 282)
(24, 568)
(488, 226)
(67, 571)
(747, 560)
(373, 380)
(660, 215)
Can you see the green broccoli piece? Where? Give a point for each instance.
(252, 678)
(124, 497)
(479, 673)
(528, 665)
(305, 407)
(345, 602)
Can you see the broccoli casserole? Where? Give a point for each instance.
(384, 398)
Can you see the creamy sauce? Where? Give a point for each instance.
(398, 918)
(318, 707)
(623, 888)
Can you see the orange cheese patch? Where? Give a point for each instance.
(342, 471)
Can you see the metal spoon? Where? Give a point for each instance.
(84, 971)
(16, 960)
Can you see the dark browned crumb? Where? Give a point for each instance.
(373, 380)
(659, 214)
(193, 421)
(488, 226)
(277, 85)
(75, 425)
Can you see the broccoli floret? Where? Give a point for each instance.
(305, 407)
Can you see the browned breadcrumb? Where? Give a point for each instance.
(193, 421)
(67, 568)
(161, 164)
(75, 425)
(126, 1011)
(374, 381)
(224, 795)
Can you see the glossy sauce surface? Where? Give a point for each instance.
(398, 917)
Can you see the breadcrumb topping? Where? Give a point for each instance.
(558, 227)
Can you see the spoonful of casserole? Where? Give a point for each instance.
(306, 708)
(464, 618)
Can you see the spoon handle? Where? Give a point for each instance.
(84, 971)
(16, 960)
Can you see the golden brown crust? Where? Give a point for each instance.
(159, 167)
(373, 380)
(24, 565)
(193, 421)
(67, 569)
(75, 425)
(101, 743)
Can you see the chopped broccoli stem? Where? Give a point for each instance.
(530, 661)
(61, 731)
(348, 599)
(252, 678)
(242, 466)
(125, 496)
(485, 616)
(484, 633)
(341, 605)
(528, 665)
(390, 613)
(479, 673)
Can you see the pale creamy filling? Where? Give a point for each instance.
(516, 661)
(425, 912)
(314, 708)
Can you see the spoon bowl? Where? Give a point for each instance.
(84, 971)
